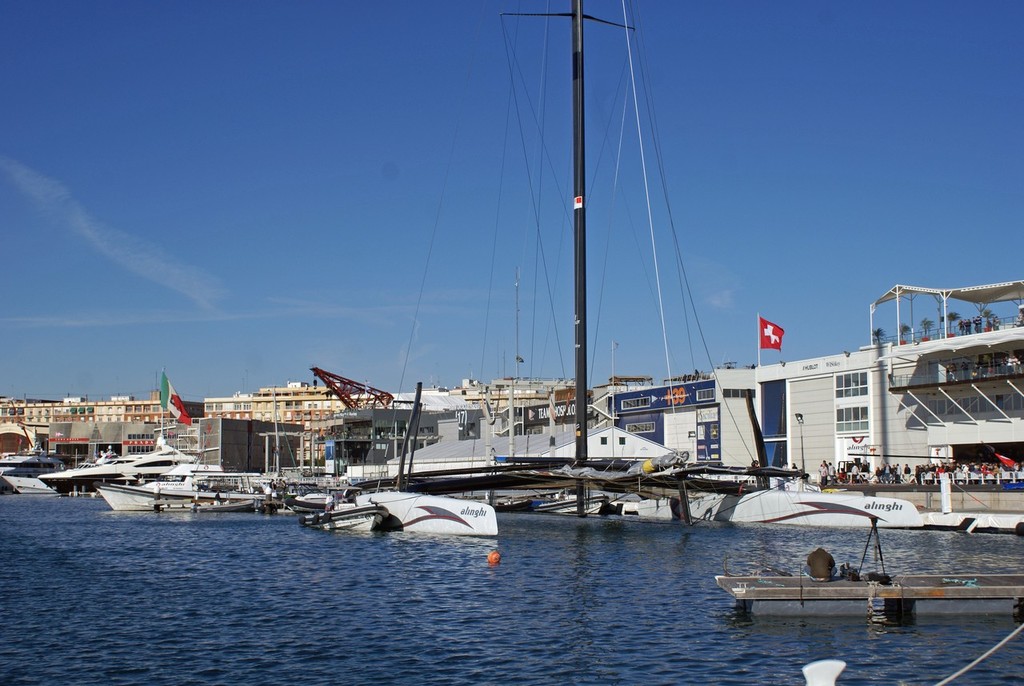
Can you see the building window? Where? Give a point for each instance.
(852, 419)
(705, 395)
(852, 385)
(634, 403)
(738, 393)
(773, 409)
(640, 428)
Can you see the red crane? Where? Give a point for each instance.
(353, 395)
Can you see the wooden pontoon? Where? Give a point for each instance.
(910, 594)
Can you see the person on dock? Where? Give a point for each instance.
(821, 564)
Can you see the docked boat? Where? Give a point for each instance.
(118, 469)
(318, 501)
(434, 514)
(183, 488)
(27, 485)
(20, 473)
(806, 508)
(415, 512)
(565, 503)
(349, 517)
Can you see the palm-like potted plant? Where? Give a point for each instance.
(926, 327)
(904, 330)
(878, 335)
(952, 318)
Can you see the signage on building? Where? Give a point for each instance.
(663, 397)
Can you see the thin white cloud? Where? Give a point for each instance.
(124, 250)
(723, 299)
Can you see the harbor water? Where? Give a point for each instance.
(98, 597)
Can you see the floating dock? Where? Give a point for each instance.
(975, 522)
(919, 594)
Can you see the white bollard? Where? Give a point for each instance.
(946, 492)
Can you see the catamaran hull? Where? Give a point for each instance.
(434, 514)
(807, 508)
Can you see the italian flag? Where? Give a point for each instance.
(171, 401)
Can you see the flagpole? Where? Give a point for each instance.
(758, 338)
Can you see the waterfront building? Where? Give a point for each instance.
(931, 393)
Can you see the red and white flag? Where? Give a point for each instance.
(171, 401)
(1007, 462)
(771, 334)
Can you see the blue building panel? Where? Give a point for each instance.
(662, 398)
(650, 425)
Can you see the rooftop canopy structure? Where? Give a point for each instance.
(981, 297)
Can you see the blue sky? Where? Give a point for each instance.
(236, 191)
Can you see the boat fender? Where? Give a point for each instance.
(1019, 529)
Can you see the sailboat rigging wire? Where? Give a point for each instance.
(647, 195)
(494, 240)
(414, 325)
(515, 74)
(981, 658)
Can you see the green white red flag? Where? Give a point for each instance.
(171, 401)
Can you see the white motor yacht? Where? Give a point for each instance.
(124, 469)
(20, 473)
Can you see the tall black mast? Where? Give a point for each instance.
(580, 243)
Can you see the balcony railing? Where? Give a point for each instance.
(957, 372)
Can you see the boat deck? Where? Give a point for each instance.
(918, 594)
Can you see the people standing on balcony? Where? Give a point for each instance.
(977, 323)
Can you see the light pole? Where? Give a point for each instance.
(800, 421)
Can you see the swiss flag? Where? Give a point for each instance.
(771, 334)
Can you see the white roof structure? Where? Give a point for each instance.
(979, 296)
(435, 402)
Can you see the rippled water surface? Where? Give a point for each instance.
(97, 597)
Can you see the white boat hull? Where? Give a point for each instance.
(415, 512)
(29, 485)
(806, 508)
(123, 498)
(568, 506)
(348, 518)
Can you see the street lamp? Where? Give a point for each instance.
(800, 421)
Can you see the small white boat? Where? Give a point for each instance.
(565, 503)
(348, 517)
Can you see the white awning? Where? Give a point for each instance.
(1010, 291)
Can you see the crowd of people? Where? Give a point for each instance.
(985, 365)
(964, 473)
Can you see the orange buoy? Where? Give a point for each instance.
(493, 557)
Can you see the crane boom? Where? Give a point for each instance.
(353, 395)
